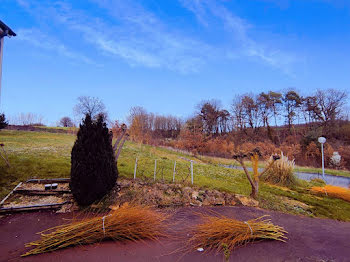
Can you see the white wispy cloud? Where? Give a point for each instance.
(240, 30)
(38, 39)
(129, 32)
(133, 34)
(143, 39)
(197, 8)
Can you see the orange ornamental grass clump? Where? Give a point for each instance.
(225, 234)
(332, 191)
(128, 222)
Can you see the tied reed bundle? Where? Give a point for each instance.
(332, 191)
(125, 223)
(225, 234)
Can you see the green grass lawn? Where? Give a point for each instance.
(333, 172)
(225, 161)
(57, 128)
(47, 155)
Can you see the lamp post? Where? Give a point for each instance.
(4, 31)
(322, 140)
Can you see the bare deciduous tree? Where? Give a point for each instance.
(66, 122)
(251, 111)
(255, 177)
(148, 125)
(90, 105)
(329, 105)
(27, 119)
(237, 112)
(224, 117)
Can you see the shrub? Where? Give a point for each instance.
(292, 150)
(335, 160)
(219, 147)
(267, 148)
(344, 151)
(191, 141)
(313, 154)
(281, 172)
(3, 122)
(93, 167)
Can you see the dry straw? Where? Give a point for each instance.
(332, 191)
(125, 223)
(281, 171)
(225, 234)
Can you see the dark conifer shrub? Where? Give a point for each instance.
(93, 167)
(3, 122)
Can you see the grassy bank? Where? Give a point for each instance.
(332, 172)
(46, 155)
(225, 161)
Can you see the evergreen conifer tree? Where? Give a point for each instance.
(3, 122)
(93, 166)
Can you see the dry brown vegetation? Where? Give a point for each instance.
(214, 131)
(125, 223)
(332, 191)
(280, 172)
(224, 234)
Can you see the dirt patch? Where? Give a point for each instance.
(173, 195)
(138, 191)
(23, 200)
(30, 194)
(40, 186)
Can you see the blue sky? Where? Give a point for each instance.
(168, 55)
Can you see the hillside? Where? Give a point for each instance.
(46, 155)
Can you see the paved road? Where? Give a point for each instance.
(309, 239)
(341, 181)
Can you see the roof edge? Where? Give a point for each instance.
(4, 28)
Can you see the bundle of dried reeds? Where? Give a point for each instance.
(332, 191)
(225, 234)
(125, 223)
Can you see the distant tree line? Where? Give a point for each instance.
(27, 119)
(249, 113)
(144, 126)
(274, 121)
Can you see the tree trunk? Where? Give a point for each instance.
(255, 190)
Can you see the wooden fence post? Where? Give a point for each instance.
(192, 172)
(174, 171)
(135, 169)
(155, 169)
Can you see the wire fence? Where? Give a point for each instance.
(163, 170)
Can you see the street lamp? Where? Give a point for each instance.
(322, 140)
(4, 31)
